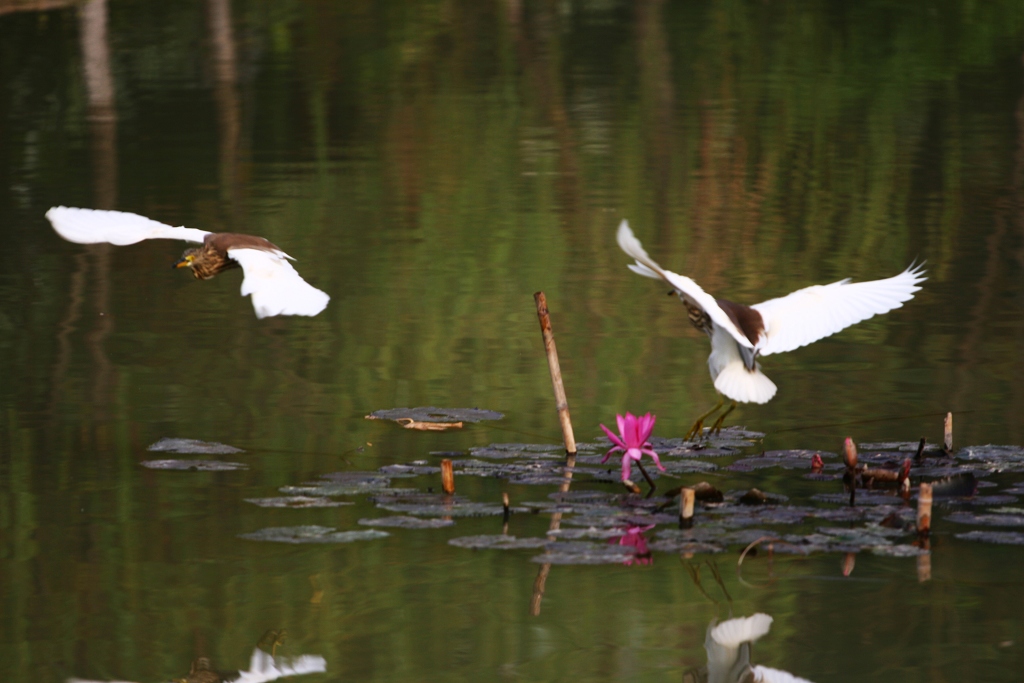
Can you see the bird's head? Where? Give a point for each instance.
(186, 260)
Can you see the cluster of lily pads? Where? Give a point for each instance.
(595, 520)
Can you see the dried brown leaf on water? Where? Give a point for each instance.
(435, 415)
(410, 423)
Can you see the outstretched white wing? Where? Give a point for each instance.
(813, 313)
(647, 267)
(764, 674)
(276, 287)
(264, 667)
(90, 226)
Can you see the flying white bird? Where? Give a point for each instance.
(739, 334)
(275, 286)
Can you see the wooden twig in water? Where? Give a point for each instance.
(947, 434)
(567, 436)
(924, 511)
(924, 527)
(556, 374)
(631, 487)
(850, 476)
(686, 508)
(447, 477)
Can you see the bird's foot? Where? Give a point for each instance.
(695, 431)
(717, 427)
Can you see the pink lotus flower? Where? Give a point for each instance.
(633, 443)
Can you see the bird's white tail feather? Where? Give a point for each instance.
(745, 386)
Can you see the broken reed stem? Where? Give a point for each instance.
(447, 477)
(686, 508)
(924, 511)
(506, 513)
(920, 451)
(556, 373)
(947, 433)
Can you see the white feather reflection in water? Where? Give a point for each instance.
(728, 649)
(262, 667)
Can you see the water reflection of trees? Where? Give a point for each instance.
(766, 147)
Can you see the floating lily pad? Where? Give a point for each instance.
(979, 501)
(194, 465)
(453, 510)
(902, 550)
(311, 534)
(405, 522)
(986, 520)
(1001, 537)
(994, 458)
(193, 446)
(583, 496)
(519, 472)
(790, 460)
(438, 505)
(498, 542)
(296, 502)
(864, 497)
(341, 484)
(408, 470)
(901, 446)
(684, 546)
(590, 532)
(584, 552)
(518, 450)
(688, 466)
(432, 414)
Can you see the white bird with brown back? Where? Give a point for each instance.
(740, 334)
(275, 286)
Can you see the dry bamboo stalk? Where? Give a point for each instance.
(686, 499)
(947, 433)
(924, 567)
(924, 510)
(556, 373)
(447, 477)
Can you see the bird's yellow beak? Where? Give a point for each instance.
(184, 262)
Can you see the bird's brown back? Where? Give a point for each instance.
(222, 241)
(746, 319)
(212, 257)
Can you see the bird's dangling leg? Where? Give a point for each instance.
(717, 427)
(270, 640)
(698, 427)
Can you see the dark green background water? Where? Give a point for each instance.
(432, 165)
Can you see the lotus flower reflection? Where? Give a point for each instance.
(632, 441)
(634, 538)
